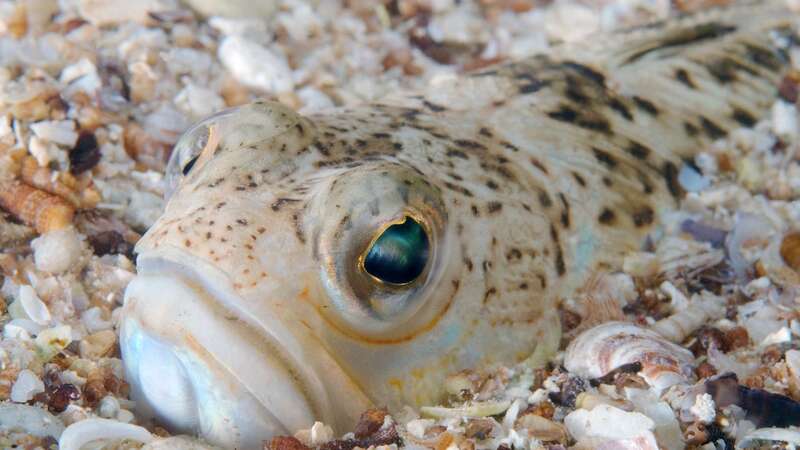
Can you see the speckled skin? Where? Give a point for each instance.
(528, 176)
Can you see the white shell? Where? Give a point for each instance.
(474, 409)
(26, 386)
(80, 433)
(178, 443)
(111, 12)
(57, 251)
(60, 132)
(611, 428)
(756, 438)
(256, 66)
(702, 308)
(30, 419)
(32, 306)
(605, 347)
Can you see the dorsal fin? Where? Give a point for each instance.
(709, 72)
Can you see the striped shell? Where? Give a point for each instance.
(37, 208)
(605, 347)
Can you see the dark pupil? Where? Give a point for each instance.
(189, 165)
(399, 255)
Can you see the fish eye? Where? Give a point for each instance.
(399, 254)
(188, 166)
(256, 125)
(187, 152)
(382, 242)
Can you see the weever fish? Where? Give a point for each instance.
(306, 268)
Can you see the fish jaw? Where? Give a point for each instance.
(196, 365)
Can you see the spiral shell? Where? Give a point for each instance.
(63, 185)
(605, 347)
(702, 308)
(35, 207)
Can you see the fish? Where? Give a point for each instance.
(308, 267)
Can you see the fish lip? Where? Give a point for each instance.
(216, 289)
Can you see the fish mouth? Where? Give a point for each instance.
(199, 365)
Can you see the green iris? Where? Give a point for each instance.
(399, 255)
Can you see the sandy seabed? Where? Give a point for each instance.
(94, 93)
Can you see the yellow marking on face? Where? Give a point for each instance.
(386, 341)
(396, 383)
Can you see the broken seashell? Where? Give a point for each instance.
(57, 251)
(30, 306)
(26, 386)
(588, 401)
(98, 344)
(113, 12)
(61, 132)
(704, 408)
(730, 363)
(542, 429)
(644, 442)
(29, 102)
(234, 8)
(61, 184)
(80, 433)
(318, 434)
(611, 424)
(474, 409)
(44, 152)
(30, 419)
(605, 347)
(179, 443)
(667, 429)
(52, 340)
(704, 233)
(699, 310)
(458, 383)
(20, 329)
(769, 438)
(749, 230)
(35, 207)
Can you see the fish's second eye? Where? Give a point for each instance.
(399, 255)
(188, 166)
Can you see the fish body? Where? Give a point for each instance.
(308, 267)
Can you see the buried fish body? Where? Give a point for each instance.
(307, 268)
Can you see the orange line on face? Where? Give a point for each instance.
(384, 341)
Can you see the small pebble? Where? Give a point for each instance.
(28, 384)
(57, 251)
(85, 154)
(31, 306)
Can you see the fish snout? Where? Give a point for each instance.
(196, 368)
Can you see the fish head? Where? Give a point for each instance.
(282, 286)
